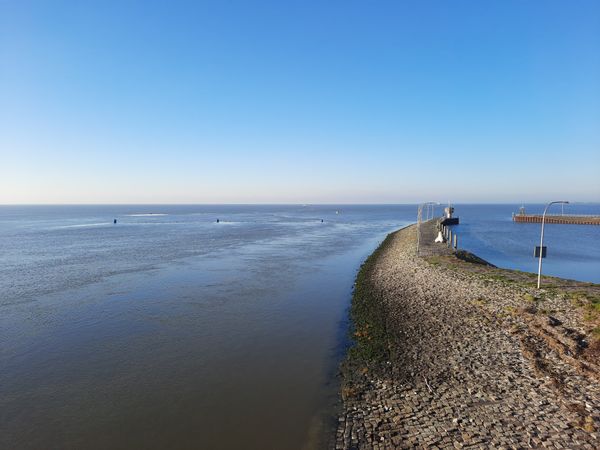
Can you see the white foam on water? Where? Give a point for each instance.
(83, 225)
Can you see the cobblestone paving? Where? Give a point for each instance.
(465, 370)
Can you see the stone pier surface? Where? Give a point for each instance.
(453, 353)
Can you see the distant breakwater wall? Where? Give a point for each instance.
(555, 219)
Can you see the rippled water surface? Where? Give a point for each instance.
(170, 330)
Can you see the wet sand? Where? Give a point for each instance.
(452, 353)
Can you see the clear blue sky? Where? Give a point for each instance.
(285, 101)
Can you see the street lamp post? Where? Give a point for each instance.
(419, 219)
(419, 214)
(542, 239)
(431, 209)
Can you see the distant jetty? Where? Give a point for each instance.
(567, 219)
(448, 218)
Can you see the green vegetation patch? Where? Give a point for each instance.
(472, 258)
(369, 328)
(590, 302)
(370, 349)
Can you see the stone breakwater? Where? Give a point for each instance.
(450, 354)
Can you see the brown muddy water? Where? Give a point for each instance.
(172, 331)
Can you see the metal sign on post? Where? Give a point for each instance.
(536, 252)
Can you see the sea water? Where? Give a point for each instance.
(573, 251)
(169, 329)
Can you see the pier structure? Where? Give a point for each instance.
(448, 219)
(566, 219)
(434, 230)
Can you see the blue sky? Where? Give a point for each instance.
(285, 101)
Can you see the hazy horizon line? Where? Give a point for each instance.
(507, 202)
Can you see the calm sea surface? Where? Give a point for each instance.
(573, 250)
(170, 330)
